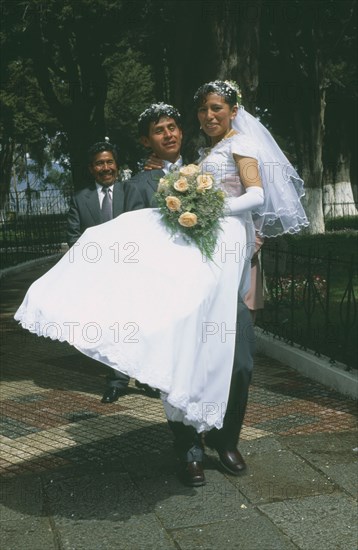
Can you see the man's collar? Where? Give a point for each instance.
(99, 187)
(167, 165)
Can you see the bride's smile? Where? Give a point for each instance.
(215, 116)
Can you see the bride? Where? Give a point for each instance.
(147, 304)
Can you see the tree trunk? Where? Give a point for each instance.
(309, 113)
(246, 72)
(6, 162)
(221, 42)
(338, 197)
(292, 92)
(309, 138)
(191, 50)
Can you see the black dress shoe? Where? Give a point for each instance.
(192, 474)
(113, 394)
(151, 392)
(232, 461)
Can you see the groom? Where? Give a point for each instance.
(160, 131)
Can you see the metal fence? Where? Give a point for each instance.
(33, 225)
(311, 301)
(35, 202)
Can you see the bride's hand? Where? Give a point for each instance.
(153, 162)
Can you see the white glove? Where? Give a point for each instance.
(253, 198)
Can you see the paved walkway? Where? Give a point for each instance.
(78, 474)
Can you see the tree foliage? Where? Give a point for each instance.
(130, 91)
(75, 72)
(68, 43)
(26, 123)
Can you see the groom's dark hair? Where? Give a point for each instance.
(154, 113)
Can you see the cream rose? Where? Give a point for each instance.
(181, 185)
(204, 182)
(189, 170)
(162, 185)
(188, 219)
(173, 203)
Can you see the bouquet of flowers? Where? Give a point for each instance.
(189, 203)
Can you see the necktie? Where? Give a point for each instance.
(107, 212)
(173, 168)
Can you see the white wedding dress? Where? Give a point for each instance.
(133, 298)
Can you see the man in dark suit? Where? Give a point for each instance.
(160, 131)
(86, 207)
(105, 199)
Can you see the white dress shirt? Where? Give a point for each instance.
(168, 165)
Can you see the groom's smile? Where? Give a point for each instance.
(164, 139)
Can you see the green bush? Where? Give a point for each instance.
(337, 224)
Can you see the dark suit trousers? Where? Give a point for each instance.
(117, 379)
(186, 439)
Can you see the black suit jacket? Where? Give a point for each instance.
(146, 184)
(85, 209)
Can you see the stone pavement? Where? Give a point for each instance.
(78, 474)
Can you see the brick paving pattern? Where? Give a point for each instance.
(51, 414)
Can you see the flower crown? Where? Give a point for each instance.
(226, 88)
(234, 86)
(159, 109)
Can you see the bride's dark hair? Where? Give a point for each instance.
(216, 87)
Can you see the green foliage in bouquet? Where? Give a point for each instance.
(190, 204)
